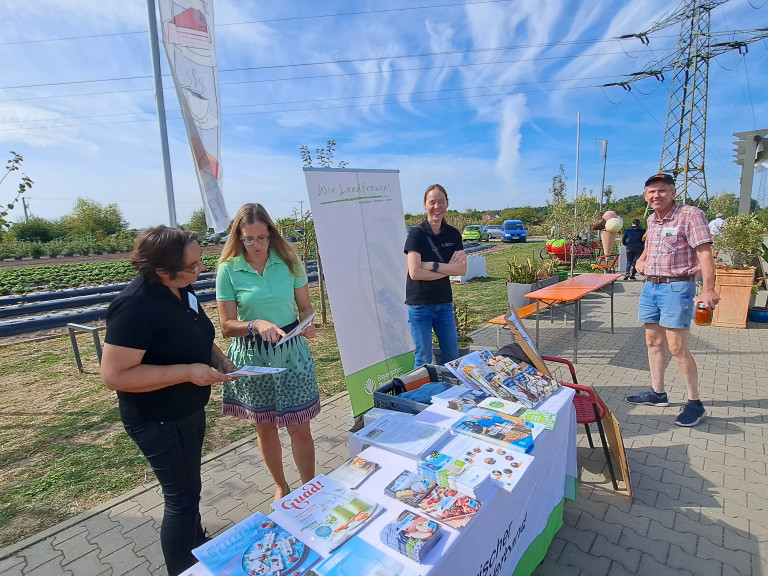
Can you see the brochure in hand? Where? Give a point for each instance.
(357, 558)
(498, 428)
(450, 506)
(409, 488)
(257, 545)
(254, 371)
(353, 472)
(406, 437)
(324, 513)
(296, 331)
(412, 535)
(504, 466)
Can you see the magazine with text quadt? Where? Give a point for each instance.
(497, 428)
(406, 437)
(504, 466)
(324, 513)
(257, 545)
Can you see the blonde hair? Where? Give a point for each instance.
(249, 214)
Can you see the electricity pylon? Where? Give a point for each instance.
(682, 152)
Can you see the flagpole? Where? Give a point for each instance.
(160, 102)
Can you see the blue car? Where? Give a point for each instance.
(514, 231)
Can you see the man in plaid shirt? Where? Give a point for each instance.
(678, 247)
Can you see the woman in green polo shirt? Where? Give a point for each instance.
(260, 287)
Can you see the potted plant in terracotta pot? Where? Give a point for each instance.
(740, 238)
(525, 277)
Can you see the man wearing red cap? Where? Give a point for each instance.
(678, 247)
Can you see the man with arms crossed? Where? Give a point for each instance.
(678, 248)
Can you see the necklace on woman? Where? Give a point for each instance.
(259, 267)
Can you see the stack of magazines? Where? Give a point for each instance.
(407, 437)
(501, 377)
(451, 472)
(412, 535)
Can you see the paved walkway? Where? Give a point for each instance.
(700, 495)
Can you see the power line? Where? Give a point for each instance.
(265, 21)
(336, 62)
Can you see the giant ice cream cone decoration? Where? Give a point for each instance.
(613, 225)
(609, 241)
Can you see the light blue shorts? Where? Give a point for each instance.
(669, 305)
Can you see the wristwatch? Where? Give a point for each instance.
(435, 266)
(249, 327)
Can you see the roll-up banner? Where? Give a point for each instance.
(360, 227)
(188, 37)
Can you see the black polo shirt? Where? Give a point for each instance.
(447, 241)
(149, 317)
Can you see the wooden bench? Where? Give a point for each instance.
(524, 312)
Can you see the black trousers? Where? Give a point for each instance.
(174, 451)
(632, 256)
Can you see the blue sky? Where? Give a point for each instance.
(481, 97)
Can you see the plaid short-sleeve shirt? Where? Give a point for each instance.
(670, 241)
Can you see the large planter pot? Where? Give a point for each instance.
(516, 292)
(734, 288)
(758, 315)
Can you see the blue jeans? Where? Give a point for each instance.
(668, 305)
(423, 318)
(174, 451)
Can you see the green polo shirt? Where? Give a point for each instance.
(267, 296)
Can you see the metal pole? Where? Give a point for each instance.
(160, 102)
(576, 192)
(602, 182)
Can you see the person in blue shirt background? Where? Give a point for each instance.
(633, 240)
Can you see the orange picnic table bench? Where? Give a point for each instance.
(570, 290)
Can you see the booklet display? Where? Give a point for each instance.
(324, 513)
(412, 535)
(254, 371)
(504, 466)
(353, 472)
(502, 429)
(257, 545)
(451, 472)
(501, 377)
(357, 558)
(296, 331)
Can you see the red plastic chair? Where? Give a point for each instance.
(606, 263)
(588, 410)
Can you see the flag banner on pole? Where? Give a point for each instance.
(360, 227)
(188, 37)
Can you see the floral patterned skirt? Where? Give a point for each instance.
(286, 398)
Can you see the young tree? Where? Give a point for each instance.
(608, 194)
(724, 203)
(197, 222)
(38, 230)
(324, 156)
(558, 188)
(14, 163)
(89, 217)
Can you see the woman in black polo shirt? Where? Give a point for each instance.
(435, 253)
(160, 357)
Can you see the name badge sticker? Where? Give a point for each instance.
(192, 301)
(669, 232)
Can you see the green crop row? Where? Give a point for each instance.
(41, 278)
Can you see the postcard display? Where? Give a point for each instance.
(389, 526)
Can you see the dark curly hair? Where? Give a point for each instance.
(160, 247)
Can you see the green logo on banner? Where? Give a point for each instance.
(362, 384)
